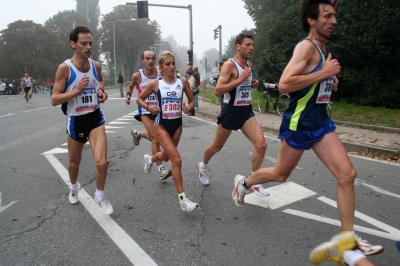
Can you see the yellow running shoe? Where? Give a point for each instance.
(334, 249)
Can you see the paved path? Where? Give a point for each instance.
(355, 138)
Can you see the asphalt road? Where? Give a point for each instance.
(38, 226)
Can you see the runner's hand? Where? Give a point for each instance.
(331, 67)
(186, 108)
(128, 99)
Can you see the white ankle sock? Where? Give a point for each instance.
(159, 167)
(74, 186)
(203, 166)
(351, 257)
(99, 194)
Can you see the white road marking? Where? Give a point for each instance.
(111, 132)
(8, 205)
(375, 160)
(377, 189)
(136, 255)
(280, 195)
(337, 223)
(125, 119)
(119, 123)
(56, 150)
(365, 218)
(111, 127)
(34, 110)
(9, 114)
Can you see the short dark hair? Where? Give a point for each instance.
(190, 63)
(190, 72)
(220, 63)
(73, 36)
(240, 38)
(310, 9)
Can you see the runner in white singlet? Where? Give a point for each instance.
(141, 79)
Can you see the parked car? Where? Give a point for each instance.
(4, 90)
(214, 79)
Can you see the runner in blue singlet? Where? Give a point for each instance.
(310, 77)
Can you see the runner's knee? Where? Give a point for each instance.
(177, 162)
(101, 164)
(347, 177)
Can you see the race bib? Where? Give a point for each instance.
(86, 101)
(243, 96)
(151, 100)
(325, 90)
(171, 108)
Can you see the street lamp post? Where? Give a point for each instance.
(115, 60)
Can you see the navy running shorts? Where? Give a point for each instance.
(79, 127)
(234, 117)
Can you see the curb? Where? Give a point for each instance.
(348, 145)
(371, 127)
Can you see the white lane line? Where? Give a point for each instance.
(8, 205)
(125, 119)
(9, 114)
(377, 189)
(34, 110)
(366, 218)
(128, 246)
(375, 160)
(337, 223)
(119, 123)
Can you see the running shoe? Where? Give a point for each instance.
(239, 191)
(147, 165)
(28, 104)
(105, 205)
(203, 175)
(164, 173)
(366, 248)
(187, 205)
(259, 190)
(333, 250)
(73, 196)
(135, 136)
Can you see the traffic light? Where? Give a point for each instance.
(216, 33)
(190, 54)
(142, 9)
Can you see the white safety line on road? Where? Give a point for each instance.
(34, 110)
(8, 205)
(7, 115)
(366, 218)
(136, 255)
(374, 160)
(330, 221)
(377, 189)
(119, 123)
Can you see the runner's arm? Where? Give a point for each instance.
(151, 88)
(59, 96)
(189, 95)
(129, 90)
(225, 81)
(103, 96)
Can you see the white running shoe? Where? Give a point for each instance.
(259, 190)
(187, 205)
(204, 176)
(366, 248)
(73, 197)
(164, 173)
(135, 136)
(239, 191)
(28, 104)
(105, 205)
(147, 166)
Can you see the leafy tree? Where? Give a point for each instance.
(25, 45)
(90, 10)
(212, 56)
(61, 25)
(131, 37)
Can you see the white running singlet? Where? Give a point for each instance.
(87, 101)
(152, 99)
(241, 95)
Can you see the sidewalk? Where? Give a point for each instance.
(357, 137)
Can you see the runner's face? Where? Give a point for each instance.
(83, 46)
(246, 48)
(326, 21)
(168, 66)
(149, 60)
